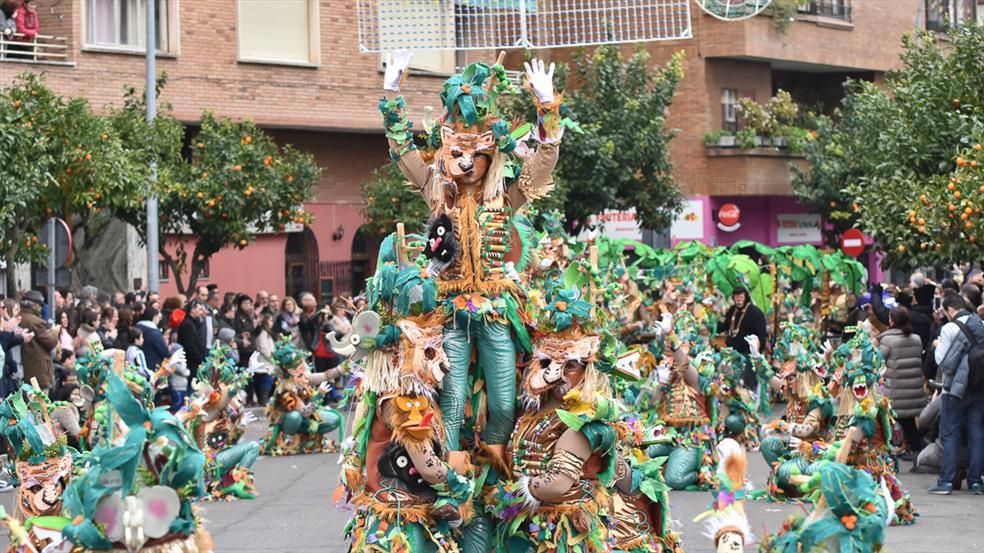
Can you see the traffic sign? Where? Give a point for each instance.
(852, 242)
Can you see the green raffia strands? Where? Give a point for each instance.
(398, 128)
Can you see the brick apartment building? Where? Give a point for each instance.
(294, 67)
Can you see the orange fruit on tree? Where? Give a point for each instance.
(242, 243)
(974, 163)
(961, 162)
(951, 207)
(237, 167)
(922, 230)
(978, 147)
(951, 186)
(969, 224)
(972, 238)
(922, 197)
(964, 216)
(922, 221)
(901, 248)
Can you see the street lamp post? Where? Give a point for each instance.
(153, 268)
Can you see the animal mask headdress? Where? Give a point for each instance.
(422, 360)
(218, 377)
(552, 355)
(863, 365)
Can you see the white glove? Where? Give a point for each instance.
(247, 418)
(753, 344)
(541, 81)
(324, 387)
(665, 323)
(397, 64)
(794, 442)
(663, 373)
(827, 347)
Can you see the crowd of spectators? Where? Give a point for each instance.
(43, 343)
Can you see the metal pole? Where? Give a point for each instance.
(51, 268)
(153, 268)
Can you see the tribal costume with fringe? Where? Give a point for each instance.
(685, 409)
(396, 509)
(298, 421)
(809, 411)
(865, 420)
(213, 419)
(577, 519)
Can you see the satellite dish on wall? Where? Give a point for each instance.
(733, 10)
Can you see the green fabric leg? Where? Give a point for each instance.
(497, 355)
(331, 420)
(774, 449)
(477, 536)
(454, 388)
(681, 468)
(244, 454)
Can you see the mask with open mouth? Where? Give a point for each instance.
(396, 463)
(423, 361)
(42, 486)
(551, 357)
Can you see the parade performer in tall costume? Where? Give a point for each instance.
(298, 421)
(482, 174)
(216, 420)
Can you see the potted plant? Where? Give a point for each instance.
(719, 139)
(746, 139)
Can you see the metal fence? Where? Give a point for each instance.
(496, 24)
(837, 9)
(43, 49)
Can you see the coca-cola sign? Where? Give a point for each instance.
(729, 218)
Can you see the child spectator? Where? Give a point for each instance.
(134, 352)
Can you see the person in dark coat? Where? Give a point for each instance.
(245, 328)
(36, 355)
(744, 319)
(154, 347)
(191, 338)
(921, 313)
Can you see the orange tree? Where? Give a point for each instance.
(390, 201)
(933, 222)
(58, 159)
(229, 182)
(916, 153)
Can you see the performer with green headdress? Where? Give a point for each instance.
(299, 423)
(482, 174)
(216, 420)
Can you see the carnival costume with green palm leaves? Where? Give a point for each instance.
(216, 420)
(849, 514)
(801, 379)
(864, 421)
(298, 421)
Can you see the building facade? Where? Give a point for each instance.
(294, 67)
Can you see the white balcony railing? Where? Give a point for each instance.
(44, 49)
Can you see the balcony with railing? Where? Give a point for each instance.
(44, 49)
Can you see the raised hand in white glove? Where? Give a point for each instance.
(541, 81)
(794, 442)
(177, 358)
(665, 323)
(397, 64)
(324, 387)
(827, 347)
(753, 345)
(247, 418)
(663, 372)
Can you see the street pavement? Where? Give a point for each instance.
(294, 513)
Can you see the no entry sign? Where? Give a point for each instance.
(852, 242)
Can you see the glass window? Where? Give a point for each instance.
(285, 31)
(122, 24)
(729, 105)
(942, 14)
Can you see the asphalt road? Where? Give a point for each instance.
(294, 514)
